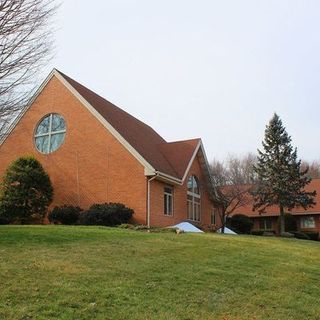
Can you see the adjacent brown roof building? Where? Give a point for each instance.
(307, 220)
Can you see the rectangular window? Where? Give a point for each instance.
(168, 201)
(308, 223)
(265, 224)
(194, 208)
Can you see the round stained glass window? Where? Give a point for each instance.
(50, 133)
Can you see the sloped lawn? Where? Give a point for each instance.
(50, 272)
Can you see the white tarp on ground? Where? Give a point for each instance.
(186, 227)
(226, 231)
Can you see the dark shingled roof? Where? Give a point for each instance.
(169, 158)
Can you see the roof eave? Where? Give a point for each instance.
(168, 178)
(205, 167)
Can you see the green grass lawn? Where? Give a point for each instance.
(50, 272)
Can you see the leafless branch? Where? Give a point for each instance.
(312, 168)
(25, 46)
(233, 181)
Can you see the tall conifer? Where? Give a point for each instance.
(281, 181)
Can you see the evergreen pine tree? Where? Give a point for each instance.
(26, 190)
(281, 181)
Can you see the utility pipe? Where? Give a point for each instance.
(149, 200)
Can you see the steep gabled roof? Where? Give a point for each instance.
(170, 160)
(179, 154)
(140, 136)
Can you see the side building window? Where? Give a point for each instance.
(265, 224)
(168, 201)
(308, 223)
(193, 199)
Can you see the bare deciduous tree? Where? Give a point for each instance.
(25, 46)
(313, 168)
(233, 180)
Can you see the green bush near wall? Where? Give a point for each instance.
(26, 191)
(106, 214)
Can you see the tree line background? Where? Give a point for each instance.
(235, 176)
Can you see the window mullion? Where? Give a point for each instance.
(50, 129)
(60, 131)
(193, 208)
(41, 135)
(167, 204)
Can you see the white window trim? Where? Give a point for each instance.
(265, 222)
(192, 201)
(303, 220)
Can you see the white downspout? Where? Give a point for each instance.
(149, 200)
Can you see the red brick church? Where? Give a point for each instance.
(95, 152)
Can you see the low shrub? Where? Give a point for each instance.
(257, 232)
(270, 233)
(144, 228)
(106, 214)
(287, 235)
(4, 220)
(126, 226)
(300, 235)
(240, 223)
(141, 227)
(165, 230)
(313, 235)
(64, 215)
(263, 232)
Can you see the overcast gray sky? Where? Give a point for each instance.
(211, 69)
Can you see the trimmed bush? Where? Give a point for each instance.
(107, 214)
(263, 232)
(313, 235)
(287, 235)
(240, 223)
(64, 215)
(4, 220)
(26, 191)
(301, 235)
(257, 232)
(270, 233)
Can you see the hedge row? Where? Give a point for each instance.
(296, 234)
(106, 214)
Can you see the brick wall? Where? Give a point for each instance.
(180, 200)
(275, 223)
(90, 167)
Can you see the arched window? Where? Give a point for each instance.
(193, 199)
